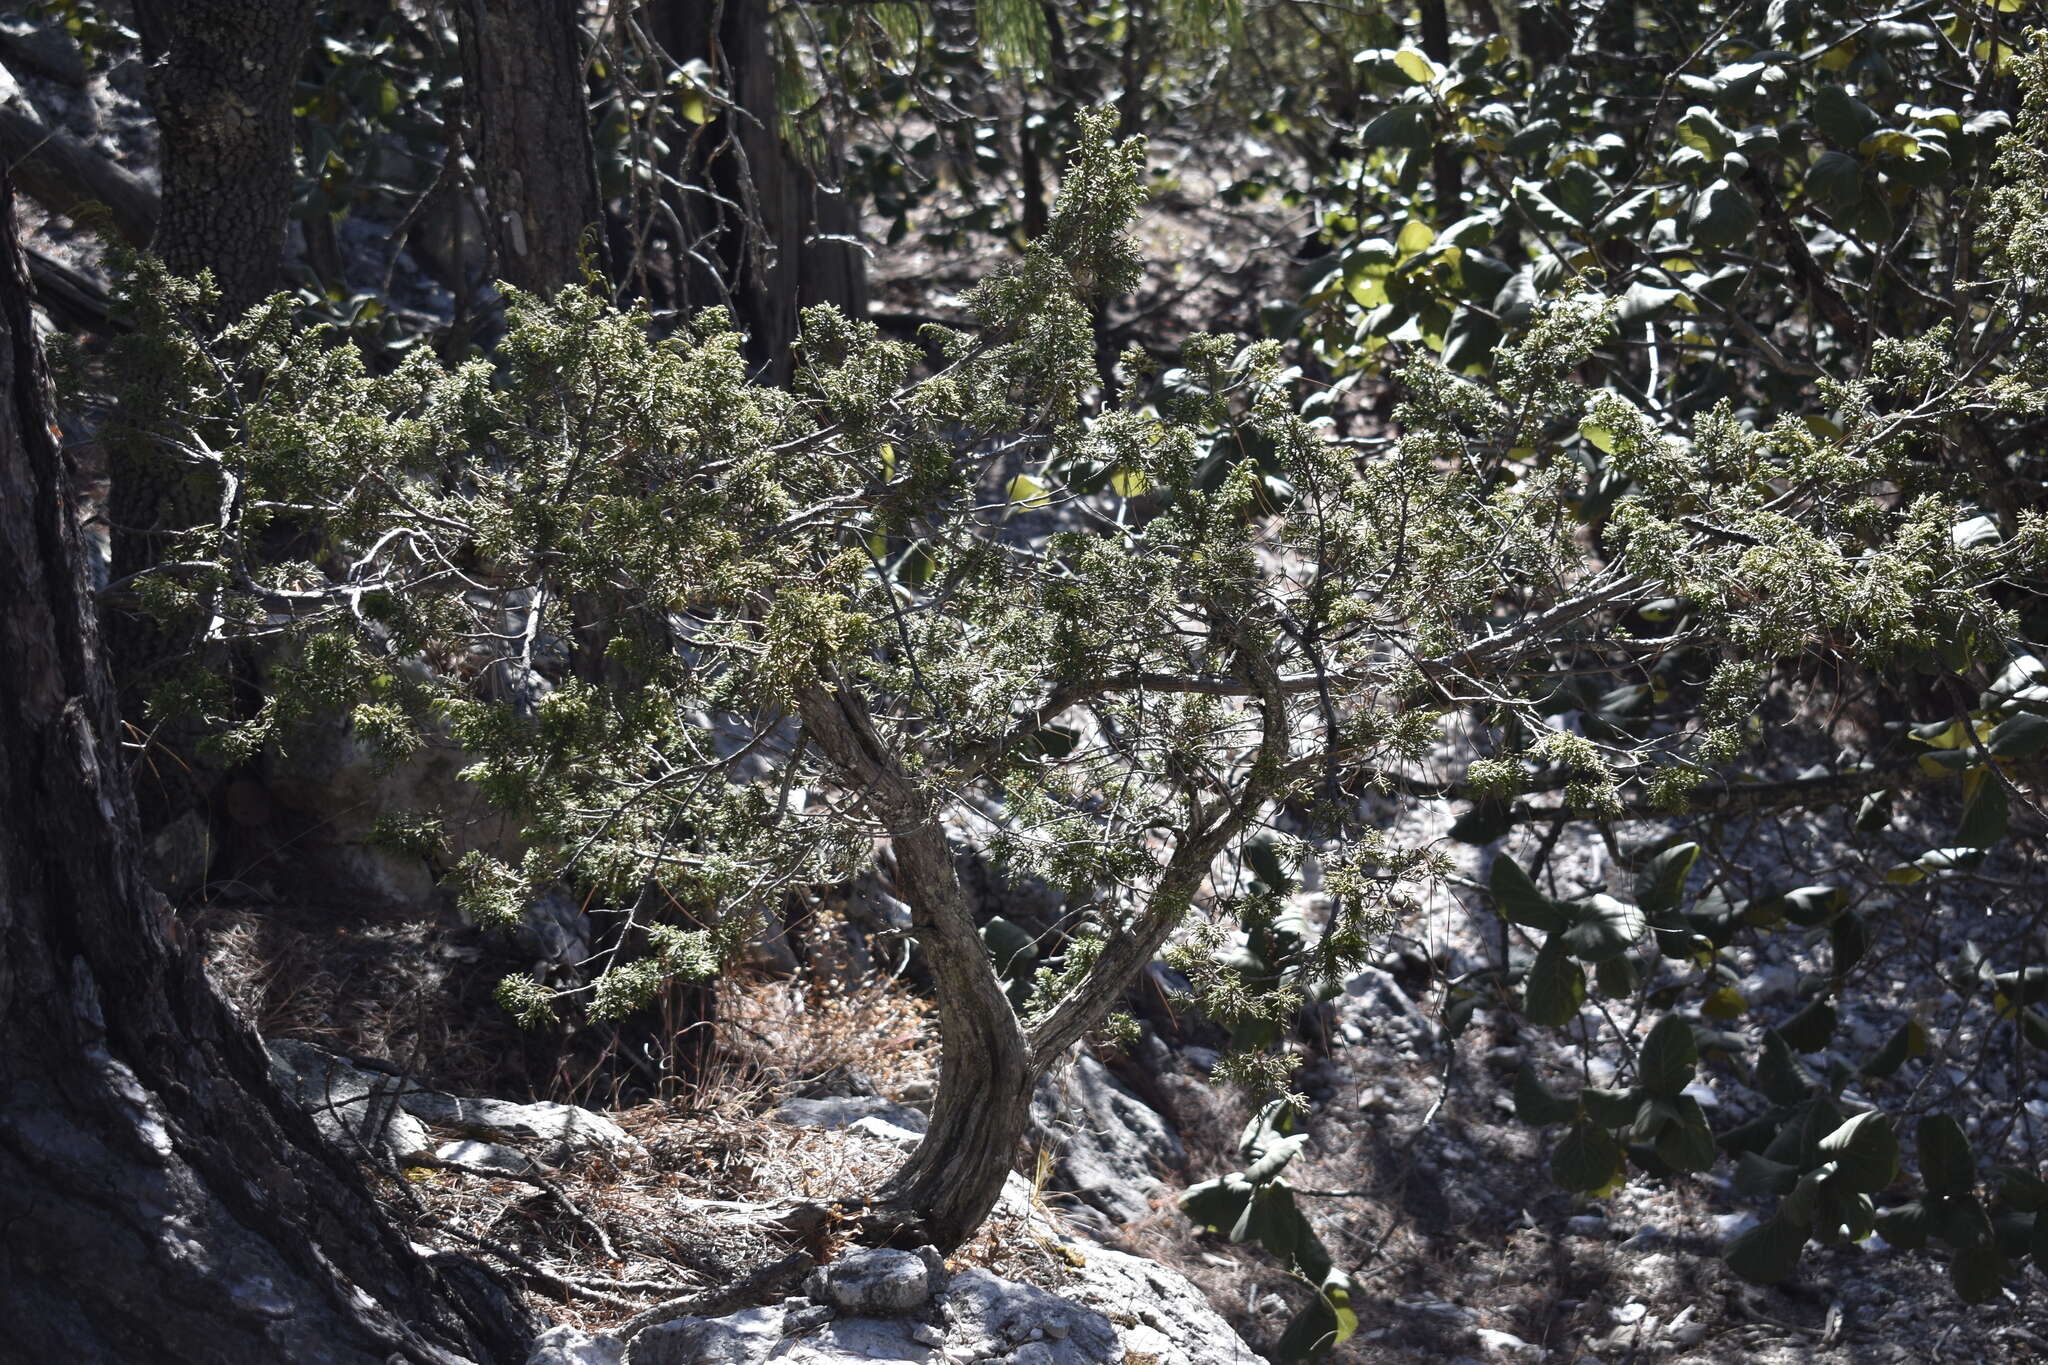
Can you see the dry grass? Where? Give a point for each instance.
(404, 989)
(790, 1032)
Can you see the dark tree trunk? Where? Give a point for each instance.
(161, 1200)
(526, 104)
(221, 74)
(765, 238)
(1446, 164)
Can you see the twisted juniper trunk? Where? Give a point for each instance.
(986, 1067)
(989, 1062)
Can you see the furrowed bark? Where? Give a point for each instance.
(161, 1200)
(527, 103)
(221, 75)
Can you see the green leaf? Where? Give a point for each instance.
(1404, 125)
(1615, 977)
(1538, 136)
(1586, 1158)
(1987, 814)
(1274, 1158)
(1579, 191)
(1026, 491)
(1555, 988)
(1865, 1152)
(1669, 1058)
(1325, 1322)
(1723, 215)
(1604, 928)
(2022, 735)
(1850, 938)
(2028, 986)
(1273, 1124)
(1660, 882)
(1218, 1204)
(1767, 1253)
(1415, 66)
(1758, 1176)
(1810, 1029)
(1808, 905)
(1908, 1040)
(1537, 1104)
(1520, 901)
(1611, 1108)
(1687, 1144)
(1836, 180)
(1843, 1214)
(1979, 1272)
(1700, 129)
(1906, 1227)
(1958, 1219)
(1844, 118)
(1780, 1074)
(1541, 210)
(1947, 1165)
(1470, 340)
(2037, 1243)
(2022, 1190)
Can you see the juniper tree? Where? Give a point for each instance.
(712, 640)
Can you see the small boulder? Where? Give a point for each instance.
(563, 1130)
(738, 1339)
(483, 1156)
(1109, 1145)
(359, 1109)
(566, 1345)
(874, 1280)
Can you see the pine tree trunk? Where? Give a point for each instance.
(221, 74)
(766, 238)
(527, 108)
(161, 1200)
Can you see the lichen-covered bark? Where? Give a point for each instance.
(220, 75)
(526, 108)
(160, 1200)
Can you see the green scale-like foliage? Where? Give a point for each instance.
(1115, 641)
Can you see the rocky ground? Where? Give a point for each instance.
(1419, 1178)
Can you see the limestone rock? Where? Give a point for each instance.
(874, 1281)
(1155, 1305)
(566, 1345)
(561, 1129)
(483, 1156)
(843, 1111)
(1110, 1144)
(738, 1339)
(996, 1317)
(985, 1318)
(348, 1101)
(357, 1108)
